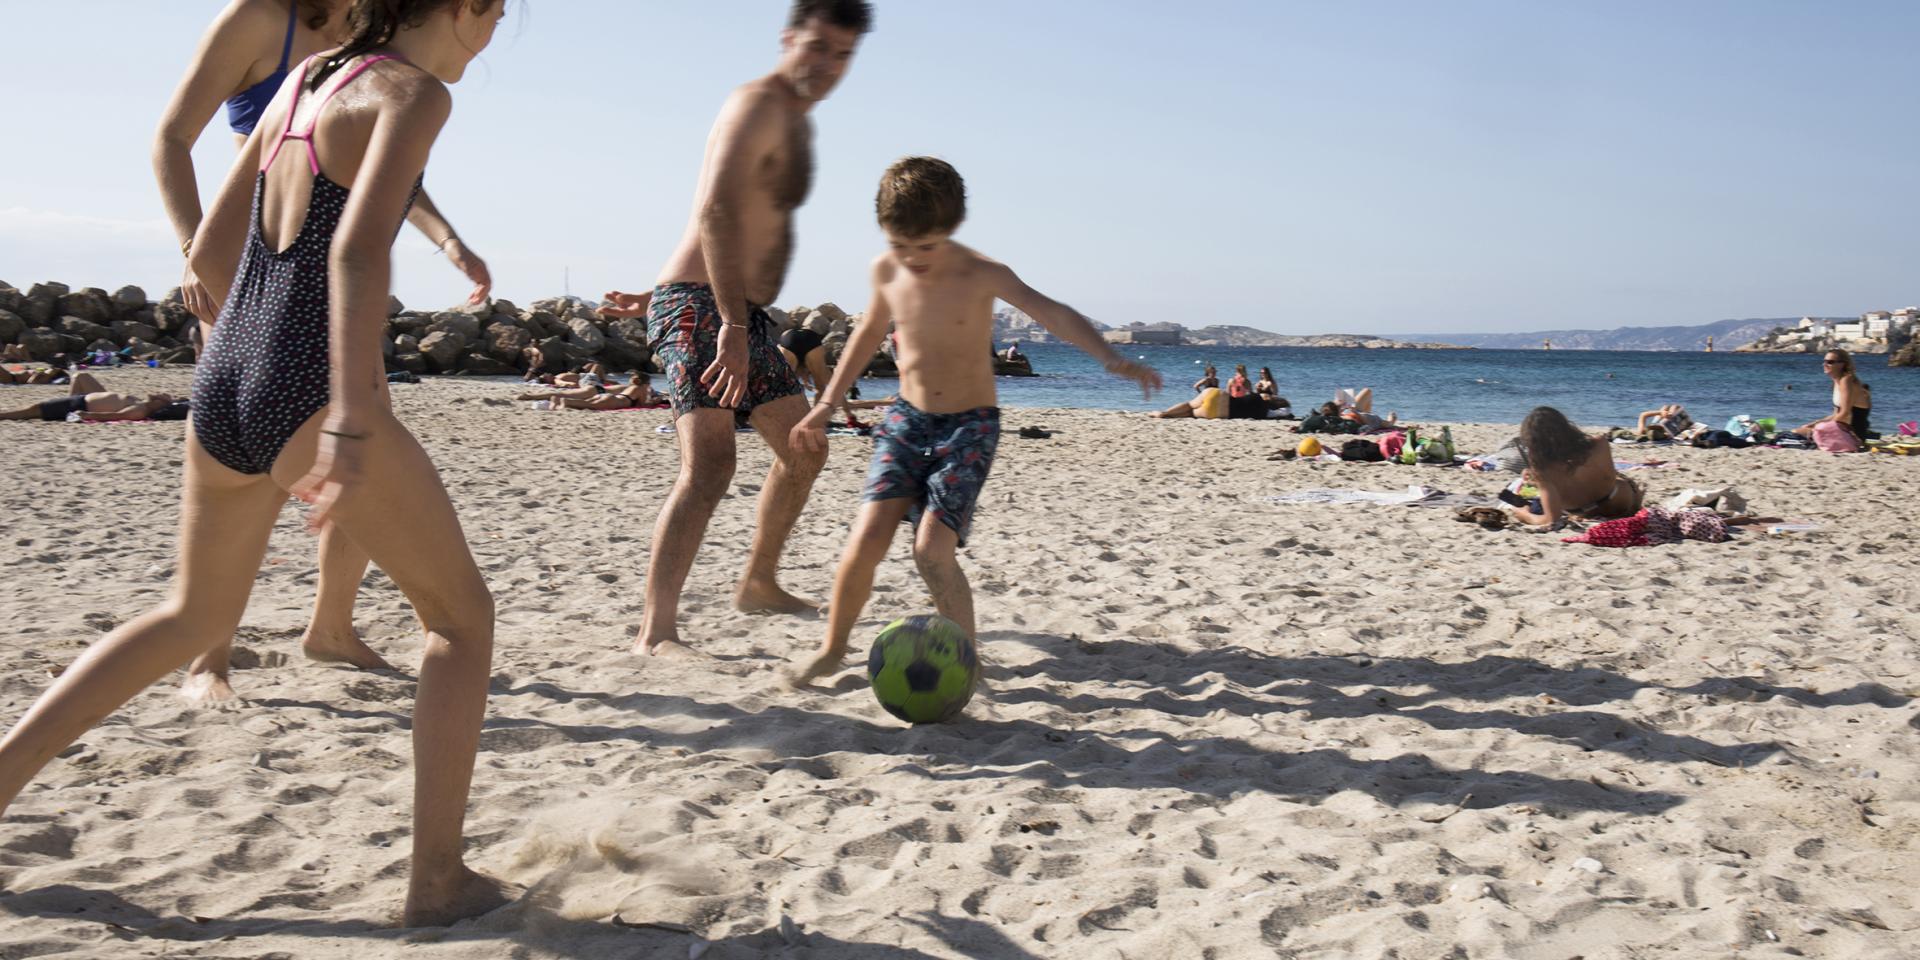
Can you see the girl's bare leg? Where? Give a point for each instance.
(225, 520)
(330, 636)
(402, 517)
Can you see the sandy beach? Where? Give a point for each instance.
(1211, 725)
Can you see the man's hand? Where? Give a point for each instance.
(810, 434)
(625, 306)
(726, 377)
(469, 263)
(1147, 377)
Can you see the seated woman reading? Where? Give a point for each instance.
(1573, 471)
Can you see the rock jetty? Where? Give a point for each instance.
(51, 321)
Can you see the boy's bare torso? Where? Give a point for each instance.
(781, 181)
(944, 331)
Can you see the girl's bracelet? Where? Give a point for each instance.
(343, 436)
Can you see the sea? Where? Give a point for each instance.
(1596, 388)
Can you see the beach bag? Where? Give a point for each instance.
(1739, 426)
(1910, 429)
(1834, 438)
(1391, 444)
(1361, 451)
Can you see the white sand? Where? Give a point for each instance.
(1212, 726)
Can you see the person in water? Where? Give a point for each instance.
(1573, 471)
(1852, 399)
(290, 400)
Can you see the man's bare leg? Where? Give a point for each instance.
(706, 468)
(83, 384)
(788, 486)
(330, 636)
(853, 584)
(934, 551)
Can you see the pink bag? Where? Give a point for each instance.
(1834, 438)
(1910, 429)
(1392, 443)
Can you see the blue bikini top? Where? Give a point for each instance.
(245, 108)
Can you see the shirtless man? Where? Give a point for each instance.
(92, 402)
(709, 327)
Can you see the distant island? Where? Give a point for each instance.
(1010, 324)
(1726, 335)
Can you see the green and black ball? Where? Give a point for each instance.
(923, 669)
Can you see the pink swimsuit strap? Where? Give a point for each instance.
(299, 80)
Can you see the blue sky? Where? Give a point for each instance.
(1383, 167)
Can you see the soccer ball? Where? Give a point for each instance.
(923, 669)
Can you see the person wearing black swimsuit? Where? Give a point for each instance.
(242, 63)
(806, 353)
(290, 398)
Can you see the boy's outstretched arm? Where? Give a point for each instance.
(1070, 325)
(811, 432)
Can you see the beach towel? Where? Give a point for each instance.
(1655, 526)
(1414, 496)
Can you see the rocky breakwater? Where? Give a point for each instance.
(499, 338)
(51, 320)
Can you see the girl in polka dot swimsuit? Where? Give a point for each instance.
(289, 399)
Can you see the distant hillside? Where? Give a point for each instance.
(1726, 334)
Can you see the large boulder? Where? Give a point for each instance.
(128, 330)
(83, 328)
(443, 348)
(41, 304)
(781, 321)
(394, 306)
(632, 331)
(583, 334)
(466, 326)
(412, 323)
(481, 365)
(129, 300)
(11, 300)
(505, 342)
(543, 324)
(11, 326)
(553, 305)
(171, 317)
(42, 344)
(799, 316)
(411, 362)
(406, 343)
(92, 305)
(834, 314)
(622, 354)
(505, 308)
(1907, 356)
(581, 310)
(558, 352)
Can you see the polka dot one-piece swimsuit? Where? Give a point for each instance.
(267, 365)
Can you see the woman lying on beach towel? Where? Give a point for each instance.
(1574, 472)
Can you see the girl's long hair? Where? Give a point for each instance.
(376, 22)
(1549, 439)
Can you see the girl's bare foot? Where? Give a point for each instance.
(337, 646)
(208, 688)
(770, 598)
(468, 895)
(823, 664)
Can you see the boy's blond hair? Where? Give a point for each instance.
(921, 197)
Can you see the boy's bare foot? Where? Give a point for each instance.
(208, 688)
(770, 598)
(469, 895)
(336, 646)
(823, 664)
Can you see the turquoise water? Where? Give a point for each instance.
(1481, 386)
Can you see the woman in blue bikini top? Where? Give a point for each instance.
(242, 62)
